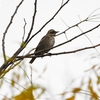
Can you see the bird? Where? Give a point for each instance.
(45, 43)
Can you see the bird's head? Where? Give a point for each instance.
(52, 32)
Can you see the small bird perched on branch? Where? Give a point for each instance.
(45, 43)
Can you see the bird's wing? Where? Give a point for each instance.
(42, 44)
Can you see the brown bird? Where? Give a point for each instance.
(45, 43)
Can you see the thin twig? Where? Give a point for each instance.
(28, 55)
(24, 30)
(33, 21)
(89, 40)
(77, 50)
(8, 62)
(73, 26)
(4, 34)
(25, 43)
(14, 82)
(25, 74)
(59, 53)
(49, 20)
(64, 22)
(89, 18)
(77, 36)
(11, 66)
(62, 2)
(93, 12)
(67, 26)
(5, 97)
(92, 17)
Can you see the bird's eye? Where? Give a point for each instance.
(52, 32)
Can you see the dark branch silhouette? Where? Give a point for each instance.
(28, 39)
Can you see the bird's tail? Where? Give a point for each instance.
(32, 60)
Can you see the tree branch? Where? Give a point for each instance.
(23, 45)
(24, 30)
(33, 20)
(77, 36)
(59, 53)
(49, 20)
(4, 34)
(30, 55)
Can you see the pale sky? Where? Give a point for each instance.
(61, 69)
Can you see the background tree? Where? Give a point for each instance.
(79, 32)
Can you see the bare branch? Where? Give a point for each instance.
(49, 19)
(89, 40)
(60, 53)
(74, 51)
(2, 69)
(64, 22)
(73, 39)
(15, 83)
(24, 30)
(29, 55)
(77, 36)
(89, 18)
(15, 56)
(62, 2)
(4, 34)
(73, 26)
(92, 13)
(94, 17)
(8, 62)
(33, 20)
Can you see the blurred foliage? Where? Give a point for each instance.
(26, 91)
(28, 94)
(29, 91)
(25, 95)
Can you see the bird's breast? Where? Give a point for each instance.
(51, 41)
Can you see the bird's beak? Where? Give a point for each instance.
(57, 31)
